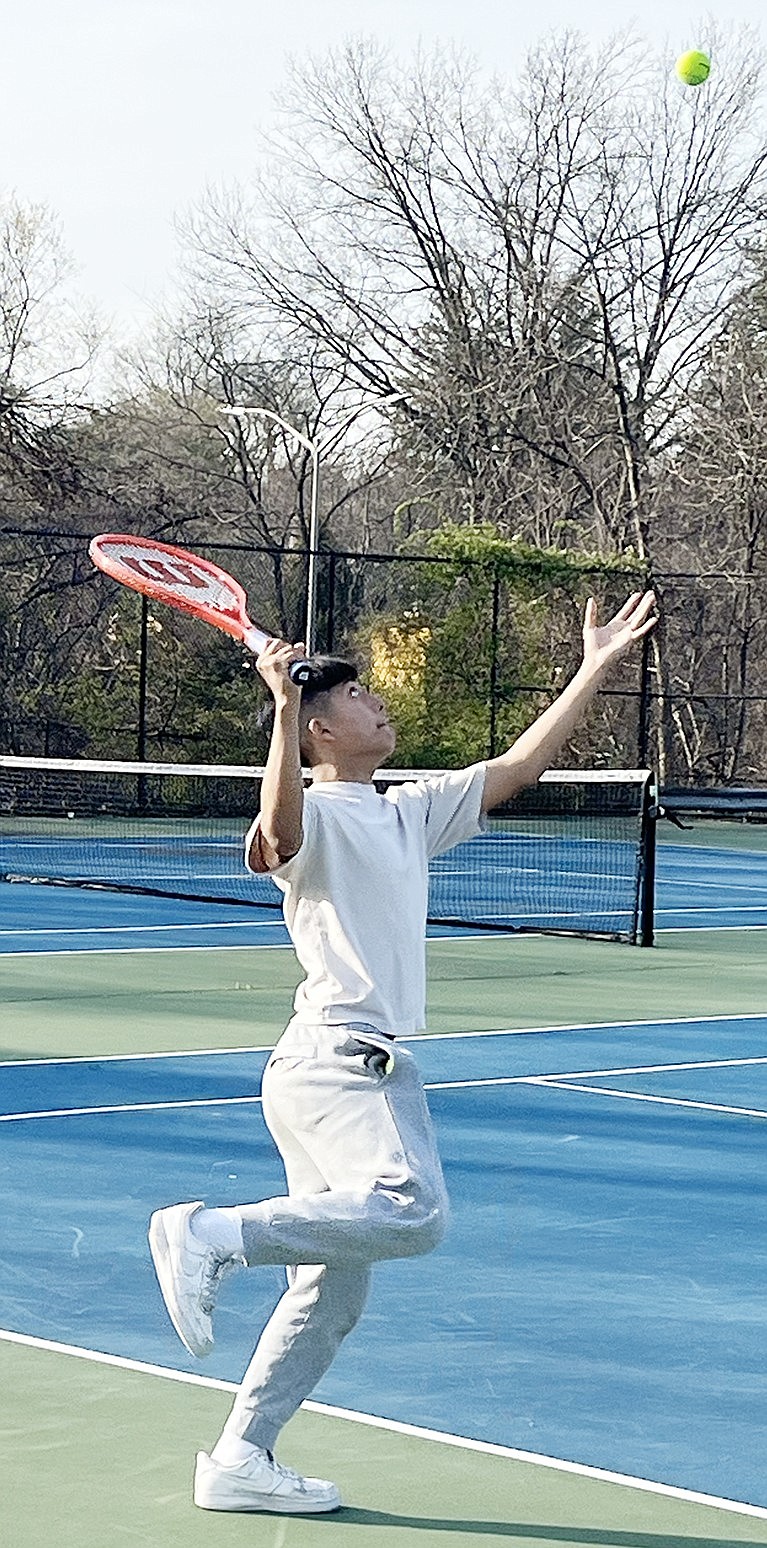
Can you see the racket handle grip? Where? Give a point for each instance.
(299, 671)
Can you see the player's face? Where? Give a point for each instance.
(359, 722)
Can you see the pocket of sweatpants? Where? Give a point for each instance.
(280, 1065)
(379, 1061)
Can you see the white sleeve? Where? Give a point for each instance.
(309, 826)
(454, 808)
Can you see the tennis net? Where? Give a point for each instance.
(572, 854)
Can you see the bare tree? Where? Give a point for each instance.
(46, 348)
(717, 527)
(540, 271)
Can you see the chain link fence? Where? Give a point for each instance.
(465, 657)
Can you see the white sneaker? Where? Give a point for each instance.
(260, 1484)
(189, 1273)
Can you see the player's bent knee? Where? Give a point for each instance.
(429, 1230)
(409, 1221)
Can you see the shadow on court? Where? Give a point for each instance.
(14, 1055)
(508, 1530)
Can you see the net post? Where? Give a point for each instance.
(647, 857)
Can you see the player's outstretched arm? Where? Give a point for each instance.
(279, 832)
(603, 647)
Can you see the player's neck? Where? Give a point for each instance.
(355, 771)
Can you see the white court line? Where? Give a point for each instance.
(127, 951)
(588, 1026)
(559, 1080)
(657, 1069)
(712, 929)
(129, 1107)
(433, 940)
(679, 860)
(234, 924)
(414, 1037)
(705, 886)
(171, 1053)
(716, 908)
(552, 1077)
(641, 1096)
(754, 891)
(397, 1427)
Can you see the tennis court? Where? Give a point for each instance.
(581, 1362)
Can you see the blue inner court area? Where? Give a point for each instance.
(599, 1297)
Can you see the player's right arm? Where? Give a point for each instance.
(279, 832)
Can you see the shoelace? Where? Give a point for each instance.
(285, 1474)
(289, 1475)
(214, 1271)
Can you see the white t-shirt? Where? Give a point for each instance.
(355, 894)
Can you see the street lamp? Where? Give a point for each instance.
(315, 451)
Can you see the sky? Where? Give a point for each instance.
(119, 113)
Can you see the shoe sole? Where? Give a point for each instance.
(267, 1505)
(160, 1249)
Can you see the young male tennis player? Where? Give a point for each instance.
(344, 1105)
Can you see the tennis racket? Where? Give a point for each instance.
(188, 583)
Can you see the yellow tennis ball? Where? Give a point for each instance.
(693, 68)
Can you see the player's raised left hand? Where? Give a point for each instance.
(604, 645)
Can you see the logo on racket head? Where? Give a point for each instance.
(167, 571)
(179, 577)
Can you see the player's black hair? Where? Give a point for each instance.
(327, 673)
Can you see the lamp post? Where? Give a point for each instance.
(314, 450)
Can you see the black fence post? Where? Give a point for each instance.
(494, 660)
(142, 679)
(330, 615)
(645, 707)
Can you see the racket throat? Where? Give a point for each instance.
(255, 639)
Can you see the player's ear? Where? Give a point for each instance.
(317, 728)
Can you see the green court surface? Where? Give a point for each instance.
(96, 1003)
(103, 1455)
(726, 833)
(98, 1454)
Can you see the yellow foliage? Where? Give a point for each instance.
(398, 659)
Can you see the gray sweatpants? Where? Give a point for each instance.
(364, 1183)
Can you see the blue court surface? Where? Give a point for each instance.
(710, 887)
(599, 1298)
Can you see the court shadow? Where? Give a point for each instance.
(20, 1055)
(590, 1537)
